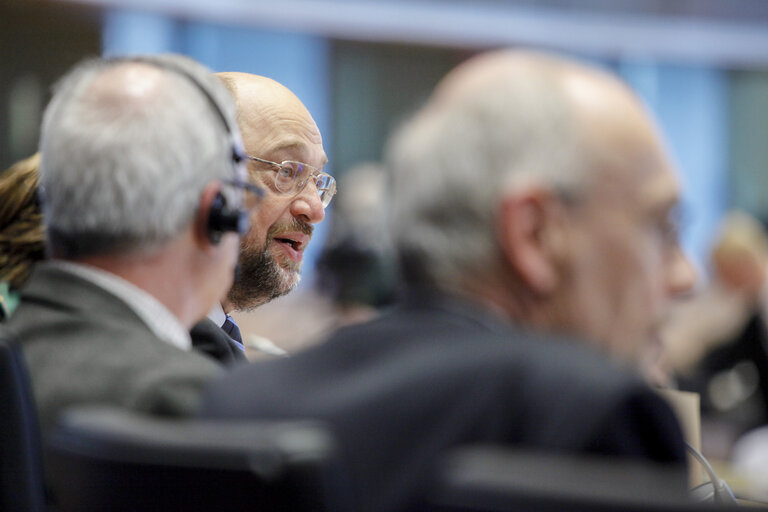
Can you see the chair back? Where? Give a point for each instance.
(499, 479)
(104, 459)
(21, 470)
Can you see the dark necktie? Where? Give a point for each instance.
(231, 328)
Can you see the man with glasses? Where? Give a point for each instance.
(285, 155)
(533, 214)
(144, 197)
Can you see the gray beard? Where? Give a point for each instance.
(258, 281)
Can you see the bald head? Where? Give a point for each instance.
(269, 114)
(127, 85)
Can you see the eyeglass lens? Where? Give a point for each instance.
(294, 176)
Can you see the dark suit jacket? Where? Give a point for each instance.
(210, 339)
(84, 345)
(436, 373)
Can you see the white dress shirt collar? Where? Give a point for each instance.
(217, 315)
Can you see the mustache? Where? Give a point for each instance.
(293, 225)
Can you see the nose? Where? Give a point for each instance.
(681, 274)
(307, 204)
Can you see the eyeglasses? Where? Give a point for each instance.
(253, 194)
(292, 177)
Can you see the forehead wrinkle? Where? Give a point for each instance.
(276, 117)
(267, 131)
(287, 146)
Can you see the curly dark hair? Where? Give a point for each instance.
(21, 222)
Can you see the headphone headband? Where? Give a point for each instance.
(221, 217)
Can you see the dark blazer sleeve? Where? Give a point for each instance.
(210, 339)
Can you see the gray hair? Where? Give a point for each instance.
(458, 156)
(124, 171)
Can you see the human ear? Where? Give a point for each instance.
(530, 234)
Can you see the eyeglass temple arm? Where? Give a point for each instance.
(257, 159)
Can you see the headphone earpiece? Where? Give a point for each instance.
(223, 219)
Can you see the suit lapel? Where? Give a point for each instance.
(209, 338)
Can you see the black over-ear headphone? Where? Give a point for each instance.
(221, 217)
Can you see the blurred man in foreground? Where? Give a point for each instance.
(284, 151)
(533, 213)
(143, 181)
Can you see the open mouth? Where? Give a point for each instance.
(296, 245)
(293, 244)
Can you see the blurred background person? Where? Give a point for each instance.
(716, 341)
(749, 463)
(356, 267)
(21, 229)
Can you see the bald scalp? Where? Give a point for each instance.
(127, 89)
(258, 93)
(609, 121)
(495, 69)
(265, 108)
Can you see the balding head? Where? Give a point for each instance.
(127, 147)
(588, 108)
(132, 85)
(500, 181)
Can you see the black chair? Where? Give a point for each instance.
(21, 473)
(100, 459)
(496, 479)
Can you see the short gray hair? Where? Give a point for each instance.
(123, 173)
(455, 159)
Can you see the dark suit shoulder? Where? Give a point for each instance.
(555, 392)
(89, 347)
(211, 340)
(401, 390)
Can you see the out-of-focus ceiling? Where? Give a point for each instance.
(728, 33)
(716, 10)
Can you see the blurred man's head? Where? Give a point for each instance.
(277, 128)
(136, 154)
(541, 187)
